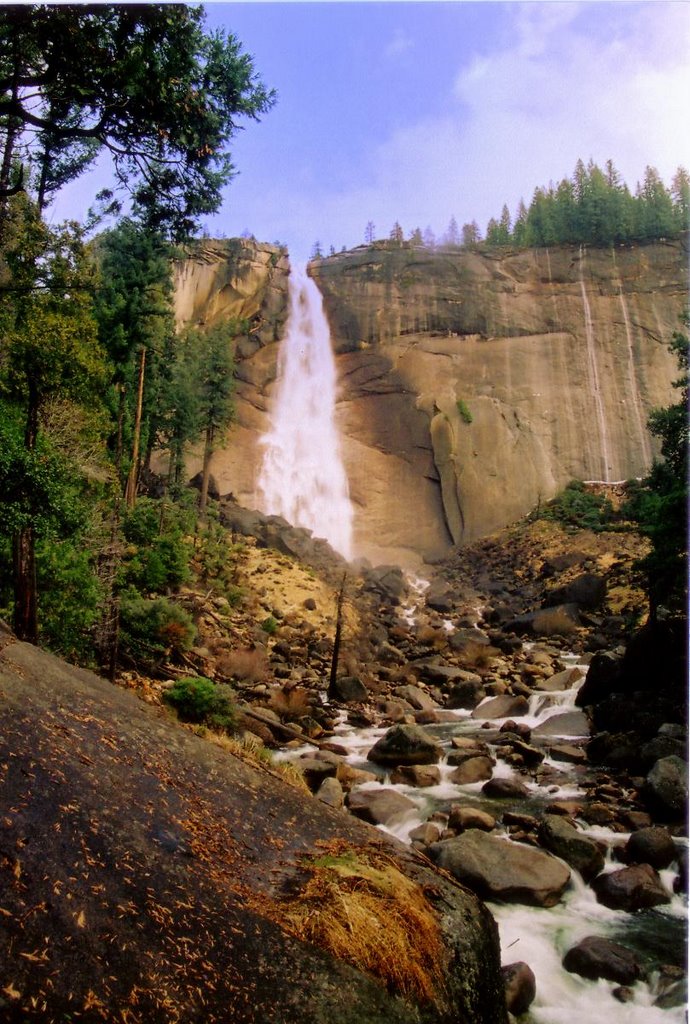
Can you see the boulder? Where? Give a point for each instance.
(466, 694)
(497, 869)
(439, 596)
(418, 775)
(331, 792)
(405, 744)
(387, 581)
(567, 753)
(504, 706)
(604, 677)
(348, 776)
(587, 591)
(666, 787)
(379, 806)
(562, 618)
(425, 834)
(595, 957)
(651, 846)
(315, 770)
(570, 723)
(416, 697)
(349, 690)
(462, 818)
(576, 849)
(632, 888)
(505, 789)
(560, 681)
(472, 769)
(446, 675)
(521, 987)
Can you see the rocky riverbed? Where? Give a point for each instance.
(497, 718)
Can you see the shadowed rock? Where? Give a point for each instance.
(405, 744)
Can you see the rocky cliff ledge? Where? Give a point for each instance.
(473, 384)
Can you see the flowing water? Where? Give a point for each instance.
(593, 367)
(302, 477)
(541, 937)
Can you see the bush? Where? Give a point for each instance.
(199, 700)
(463, 411)
(270, 625)
(578, 507)
(159, 557)
(153, 630)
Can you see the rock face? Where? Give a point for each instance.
(141, 865)
(472, 384)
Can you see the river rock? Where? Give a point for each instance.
(462, 818)
(379, 806)
(521, 987)
(502, 870)
(315, 770)
(570, 723)
(576, 849)
(666, 787)
(331, 792)
(349, 690)
(348, 776)
(439, 595)
(418, 775)
(405, 744)
(388, 581)
(604, 677)
(632, 888)
(466, 694)
(587, 591)
(457, 757)
(472, 769)
(560, 681)
(504, 706)
(651, 846)
(505, 789)
(596, 957)
(416, 697)
(425, 834)
(567, 753)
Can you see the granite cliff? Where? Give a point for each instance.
(473, 383)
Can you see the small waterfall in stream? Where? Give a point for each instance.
(302, 477)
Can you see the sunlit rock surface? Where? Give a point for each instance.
(472, 384)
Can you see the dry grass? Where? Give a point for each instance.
(291, 703)
(554, 621)
(250, 748)
(361, 908)
(476, 655)
(249, 665)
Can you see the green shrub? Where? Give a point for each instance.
(199, 700)
(577, 507)
(159, 556)
(270, 625)
(463, 411)
(153, 630)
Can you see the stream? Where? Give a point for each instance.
(541, 937)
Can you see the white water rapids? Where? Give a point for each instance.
(541, 937)
(302, 477)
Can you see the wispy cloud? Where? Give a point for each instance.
(400, 44)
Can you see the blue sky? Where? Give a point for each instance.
(417, 112)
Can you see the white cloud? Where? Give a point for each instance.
(561, 88)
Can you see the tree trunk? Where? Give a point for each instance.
(133, 477)
(25, 621)
(206, 468)
(25, 614)
(336, 641)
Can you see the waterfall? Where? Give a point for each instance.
(302, 477)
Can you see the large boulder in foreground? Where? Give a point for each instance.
(405, 744)
(143, 867)
(497, 869)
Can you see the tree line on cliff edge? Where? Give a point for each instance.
(92, 373)
(592, 207)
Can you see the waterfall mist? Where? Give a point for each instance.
(302, 477)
